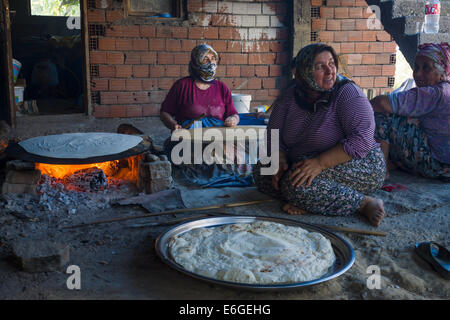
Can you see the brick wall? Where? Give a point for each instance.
(366, 49)
(134, 61)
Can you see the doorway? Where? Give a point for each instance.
(48, 50)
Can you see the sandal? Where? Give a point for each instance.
(436, 255)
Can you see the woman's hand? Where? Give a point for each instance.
(305, 171)
(231, 121)
(176, 126)
(282, 168)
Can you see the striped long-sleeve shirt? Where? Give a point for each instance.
(348, 120)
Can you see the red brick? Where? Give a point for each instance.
(163, 32)
(132, 58)
(188, 45)
(117, 85)
(113, 31)
(355, 12)
(247, 71)
(264, 58)
(336, 47)
(114, 15)
(234, 46)
(99, 85)
(283, 58)
(326, 12)
(333, 3)
(196, 33)
(134, 111)
(277, 46)
(340, 36)
(147, 31)
(157, 71)
(173, 45)
(275, 71)
(376, 47)
(383, 36)
(97, 57)
(95, 15)
(166, 58)
(211, 33)
(369, 36)
(234, 58)
(131, 31)
(118, 111)
(382, 58)
(380, 82)
(355, 36)
(124, 44)
(361, 24)
(108, 97)
(179, 32)
(316, 3)
(165, 83)
(374, 70)
(226, 33)
(194, 5)
(125, 97)
(240, 83)
(326, 36)
(133, 85)
(341, 13)
(140, 44)
(123, 71)
(333, 25)
(254, 83)
(368, 59)
(148, 58)
(157, 96)
(366, 82)
(360, 70)
(233, 71)
(347, 47)
(181, 58)
(172, 71)
(269, 83)
(140, 71)
(101, 111)
(361, 47)
(348, 24)
(354, 58)
(318, 24)
(390, 47)
(157, 44)
(106, 71)
(107, 44)
(150, 84)
(359, 3)
(114, 58)
(141, 97)
(388, 70)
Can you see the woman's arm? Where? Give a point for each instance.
(169, 121)
(381, 104)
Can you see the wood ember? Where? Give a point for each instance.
(90, 179)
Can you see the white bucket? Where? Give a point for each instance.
(241, 102)
(18, 94)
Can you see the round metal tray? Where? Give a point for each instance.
(345, 256)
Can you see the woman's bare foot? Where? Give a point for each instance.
(293, 210)
(373, 210)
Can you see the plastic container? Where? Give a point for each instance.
(241, 102)
(432, 12)
(16, 69)
(18, 94)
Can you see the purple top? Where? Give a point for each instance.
(349, 120)
(432, 106)
(185, 101)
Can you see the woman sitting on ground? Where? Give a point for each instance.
(200, 95)
(413, 126)
(329, 160)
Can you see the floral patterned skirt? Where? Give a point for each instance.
(335, 191)
(408, 145)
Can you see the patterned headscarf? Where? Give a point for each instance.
(440, 54)
(197, 70)
(304, 72)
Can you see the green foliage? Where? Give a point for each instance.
(55, 8)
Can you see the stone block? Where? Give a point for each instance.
(156, 185)
(19, 165)
(41, 255)
(19, 188)
(23, 177)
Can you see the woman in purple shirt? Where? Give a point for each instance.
(413, 126)
(200, 95)
(328, 158)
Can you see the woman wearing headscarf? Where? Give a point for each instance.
(329, 161)
(413, 126)
(200, 95)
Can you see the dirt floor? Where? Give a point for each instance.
(118, 260)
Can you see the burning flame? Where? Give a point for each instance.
(112, 169)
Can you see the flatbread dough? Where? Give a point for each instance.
(80, 145)
(260, 252)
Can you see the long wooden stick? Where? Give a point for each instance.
(350, 230)
(184, 210)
